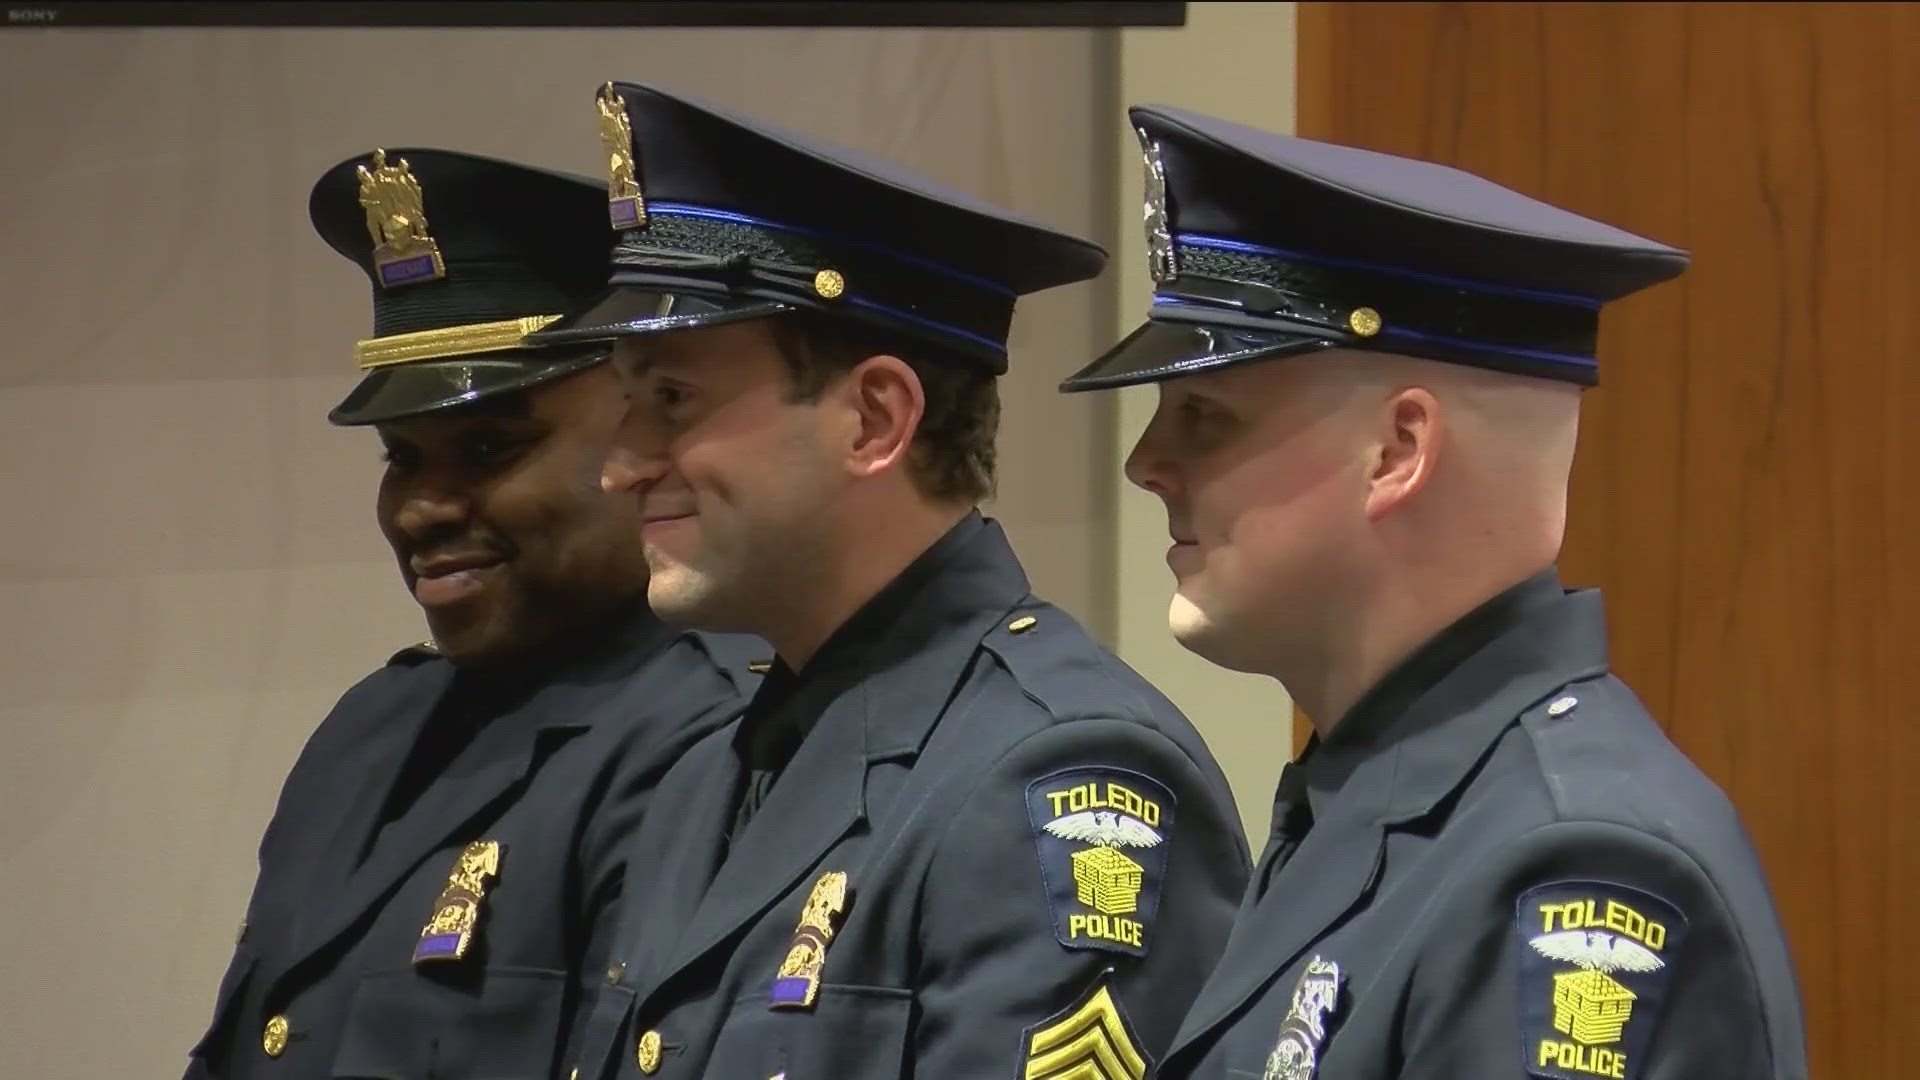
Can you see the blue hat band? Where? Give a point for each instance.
(1382, 308)
(740, 254)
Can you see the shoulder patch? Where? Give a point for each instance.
(1103, 836)
(1088, 1040)
(1595, 962)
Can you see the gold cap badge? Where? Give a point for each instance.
(404, 253)
(626, 208)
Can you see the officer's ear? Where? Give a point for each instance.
(889, 400)
(1409, 428)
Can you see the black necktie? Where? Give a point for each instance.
(1292, 819)
(770, 744)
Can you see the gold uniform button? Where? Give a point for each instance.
(274, 1039)
(1022, 624)
(614, 971)
(648, 1055)
(829, 284)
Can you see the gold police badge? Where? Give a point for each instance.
(449, 933)
(404, 252)
(798, 982)
(626, 208)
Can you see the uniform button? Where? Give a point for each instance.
(1022, 624)
(1563, 706)
(648, 1055)
(274, 1039)
(614, 971)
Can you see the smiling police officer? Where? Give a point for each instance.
(952, 837)
(425, 882)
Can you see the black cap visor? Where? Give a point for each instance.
(1162, 349)
(402, 391)
(633, 309)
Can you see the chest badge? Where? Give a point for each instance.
(1316, 998)
(449, 933)
(798, 981)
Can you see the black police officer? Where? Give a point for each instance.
(425, 880)
(952, 836)
(1490, 861)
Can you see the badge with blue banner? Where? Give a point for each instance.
(1595, 962)
(456, 915)
(798, 982)
(1102, 835)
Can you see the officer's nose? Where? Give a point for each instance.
(630, 468)
(428, 508)
(1150, 465)
(638, 457)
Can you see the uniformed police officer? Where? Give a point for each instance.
(424, 883)
(952, 837)
(1489, 862)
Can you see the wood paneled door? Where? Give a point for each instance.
(1746, 490)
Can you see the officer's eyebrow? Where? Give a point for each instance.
(633, 357)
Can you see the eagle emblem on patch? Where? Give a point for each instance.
(1595, 960)
(1102, 835)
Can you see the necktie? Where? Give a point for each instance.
(1292, 819)
(770, 745)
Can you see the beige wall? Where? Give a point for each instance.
(1233, 60)
(191, 574)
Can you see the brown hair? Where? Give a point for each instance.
(952, 456)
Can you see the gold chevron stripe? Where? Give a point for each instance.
(1091, 1042)
(447, 341)
(1095, 1043)
(1086, 1070)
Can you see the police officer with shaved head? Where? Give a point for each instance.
(425, 881)
(1489, 861)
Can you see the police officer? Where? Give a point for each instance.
(424, 883)
(1489, 862)
(952, 837)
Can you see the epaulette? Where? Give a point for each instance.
(417, 653)
(1046, 652)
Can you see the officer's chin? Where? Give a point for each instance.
(1200, 633)
(476, 634)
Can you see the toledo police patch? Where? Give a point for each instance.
(1103, 836)
(1595, 961)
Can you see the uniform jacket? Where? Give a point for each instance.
(1511, 872)
(996, 853)
(564, 753)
